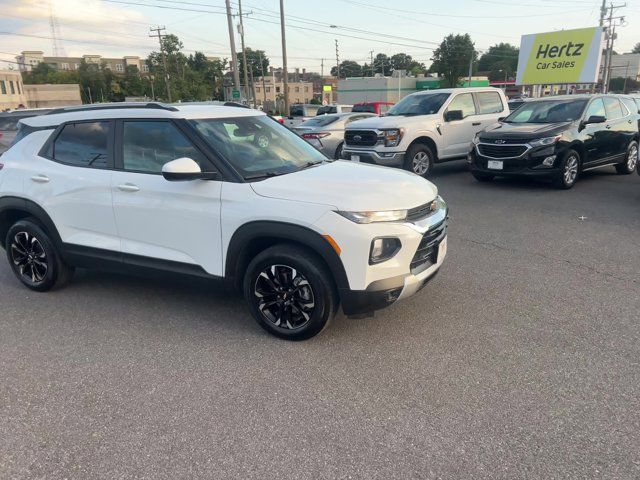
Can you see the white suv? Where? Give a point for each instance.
(217, 192)
(425, 128)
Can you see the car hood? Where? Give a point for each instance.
(350, 186)
(395, 121)
(523, 130)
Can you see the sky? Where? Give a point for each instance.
(121, 27)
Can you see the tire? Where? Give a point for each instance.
(569, 170)
(338, 154)
(630, 160)
(290, 292)
(483, 177)
(33, 257)
(419, 159)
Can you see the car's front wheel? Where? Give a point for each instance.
(419, 159)
(33, 257)
(290, 292)
(630, 160)
(568, 171)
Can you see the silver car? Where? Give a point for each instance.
(326, 132)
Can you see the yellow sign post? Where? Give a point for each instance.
(567, 56)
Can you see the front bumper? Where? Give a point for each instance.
(387, 159)
(530, 164)
(382, 293)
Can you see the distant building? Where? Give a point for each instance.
(27, 60)
(11, 90)
(14, 94)
(299, 92)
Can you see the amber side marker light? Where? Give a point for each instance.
(333, 243)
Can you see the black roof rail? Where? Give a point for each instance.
(235, 104)
(112, 106)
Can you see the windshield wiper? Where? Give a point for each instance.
(310, 164)
(256, 176)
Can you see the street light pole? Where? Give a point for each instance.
(232, 44)
(285, 75)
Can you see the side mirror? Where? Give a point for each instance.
(185, 169)
(500, 119)
(453, 115)
(595, 119)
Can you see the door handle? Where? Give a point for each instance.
(475, 124)
(608, 127)
(128, 187)
(40, 178)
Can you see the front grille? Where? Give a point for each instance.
(418, 213)
(360, 138)
(501, 151)
(505, 141)
(427, 252)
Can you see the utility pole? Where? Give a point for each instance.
(285, 74)
(244, 56)
(232, 44)
(264, 86)
(337, 61)
(167, 81)
(611, 32)
(603, 12)
(371, 55)
(471, 66)
(322, 68)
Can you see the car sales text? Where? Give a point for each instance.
(568, 50)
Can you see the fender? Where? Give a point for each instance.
(265, 233)
(34, 210)
(427, 136)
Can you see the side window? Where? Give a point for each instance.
(83, 144)
(463, 102)
(595, 108)
(630, 104)
(613, 107)
(489, 102)
(148, 145)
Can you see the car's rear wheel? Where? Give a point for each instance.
(630, 161)
(569, 168)
(419, 159)
(33, 257)
(290, 292)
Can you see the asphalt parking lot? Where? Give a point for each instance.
(521, 360)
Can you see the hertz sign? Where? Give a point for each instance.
(567, 56)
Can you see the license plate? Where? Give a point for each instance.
(442, 250)
(495, 164)
(355, 158)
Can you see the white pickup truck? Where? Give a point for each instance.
(425, 128)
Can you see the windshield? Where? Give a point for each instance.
(420, 104)
(320, 121)
(258, 146)
(548, 111)
(364, 108)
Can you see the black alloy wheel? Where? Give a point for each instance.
(33, 257)
(569, 169)
(290, 292)
(29, 258)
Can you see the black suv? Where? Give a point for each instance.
(559, 137)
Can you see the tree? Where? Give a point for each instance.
(499, 61)
(451, 59)
(402, 61)
(619, 85)
(636, 48)
(254, 59)
(382, 64)
(348, 68)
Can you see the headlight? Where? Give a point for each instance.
(476, 139)
(540, 142)
(392, 137)
(374, 217)
(382, 249)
